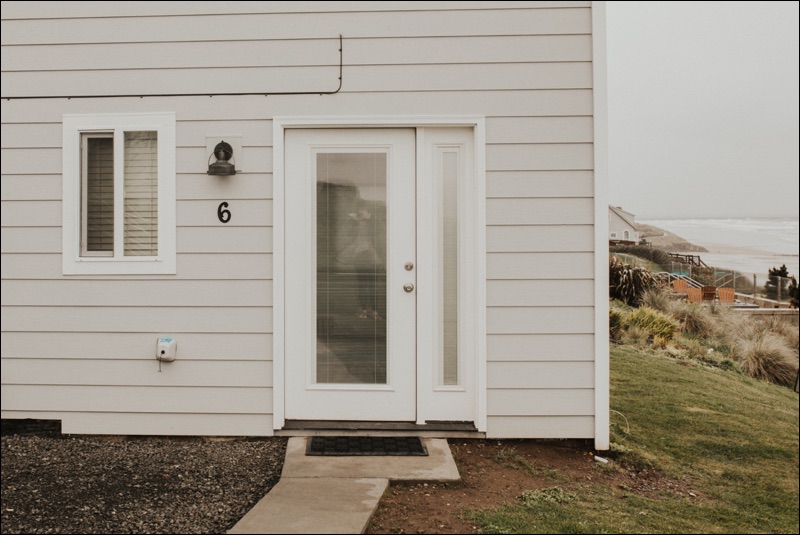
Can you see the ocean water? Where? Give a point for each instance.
(751, 246)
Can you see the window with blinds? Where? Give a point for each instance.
(138, 186)
(119, 206)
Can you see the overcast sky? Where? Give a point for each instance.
(703, 108)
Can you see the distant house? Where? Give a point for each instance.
(621, 225)
(387, 213)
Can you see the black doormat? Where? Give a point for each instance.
(355, 446)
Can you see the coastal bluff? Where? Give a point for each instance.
(667, 241)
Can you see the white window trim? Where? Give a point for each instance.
(478, 124)
(73, 127)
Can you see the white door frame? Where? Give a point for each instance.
(478, 237)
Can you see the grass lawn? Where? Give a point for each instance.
(721, 449)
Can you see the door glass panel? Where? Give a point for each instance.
(351, 268)
(448, 195)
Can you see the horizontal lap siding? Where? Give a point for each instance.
(293, 26)
(526, 67)
(546, 401)
(377, 78)
(145, 293)
(191, 266)
(134, 373)
(541, 347)
(147, 399)
(24, 10)
(549, 426)
(81, 349)
(127, 346)
(546, 103)
(237, 319)
(540, 270)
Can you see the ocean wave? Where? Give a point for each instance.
(751, 245)
(750, 225)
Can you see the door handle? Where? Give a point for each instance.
(408, 287)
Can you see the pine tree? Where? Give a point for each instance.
(777, 277)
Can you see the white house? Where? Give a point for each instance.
(410, 235)
(621, 225)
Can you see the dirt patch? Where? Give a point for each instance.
(497, 472)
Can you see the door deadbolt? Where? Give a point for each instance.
(408, 287)
(409, 266)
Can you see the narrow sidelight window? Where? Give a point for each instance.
(448, 249)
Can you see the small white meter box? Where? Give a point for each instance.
(166, 350)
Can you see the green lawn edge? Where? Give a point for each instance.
(729, 442)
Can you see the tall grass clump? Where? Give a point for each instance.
(693, 318)
(786, 330)
(657, 298)
(656, 324)
(766, 356)
(615, 323)
(635, 337)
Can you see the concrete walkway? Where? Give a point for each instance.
(339, 494)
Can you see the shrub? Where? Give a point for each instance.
(653, 322)
(786, 330)
(730, 326)
(693, 318)
(628, 283)
(767, 357)
(656, 298)
(660, 342)
(777, 277)
(694, 349)
(634, 336)
(705, 275)
(642, 251)
(615, 326)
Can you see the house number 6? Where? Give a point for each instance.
(223, 214)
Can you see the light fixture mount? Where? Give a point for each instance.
(222, 167)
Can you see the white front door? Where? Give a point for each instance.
(350, 274)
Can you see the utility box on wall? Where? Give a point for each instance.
(167, 349)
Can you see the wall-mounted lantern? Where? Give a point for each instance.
(222, 152)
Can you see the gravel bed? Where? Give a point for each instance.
(110, 484)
